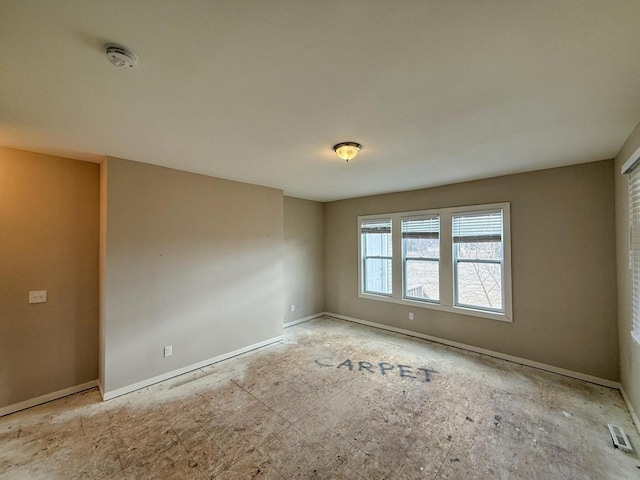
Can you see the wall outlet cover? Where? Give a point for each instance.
(37, 296)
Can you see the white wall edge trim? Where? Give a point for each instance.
(304, 319)
(108, 395)
(634, 417)
(16, 407)
(503, 356)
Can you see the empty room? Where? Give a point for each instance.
(342, 239)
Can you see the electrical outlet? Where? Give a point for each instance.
(410, 315)
(38, 296)
(293, 308)
(168, 350)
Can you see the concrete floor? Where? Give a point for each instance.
(333, 400)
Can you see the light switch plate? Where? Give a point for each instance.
(168, 350)
(37, 296)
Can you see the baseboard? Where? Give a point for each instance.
(305, 319)
(108, 395)
(503, 356)
(634, 417)
(16, 407)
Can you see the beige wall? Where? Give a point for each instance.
(303, 258)
(48, 241)
(629, 349)
(198, 262)
(563, 267)
(190, 261)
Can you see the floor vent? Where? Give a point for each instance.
(619, 438)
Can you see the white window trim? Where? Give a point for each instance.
(634, 234)
(446, 303)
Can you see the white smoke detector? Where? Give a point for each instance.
(120, 56)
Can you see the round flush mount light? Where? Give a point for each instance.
(120, 56)
(347, 150)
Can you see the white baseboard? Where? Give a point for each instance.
(634, 417)
(305, 319)
(16, 407)
(145, 383)
(108, 395)
(491, 353)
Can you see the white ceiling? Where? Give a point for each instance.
(259, 91)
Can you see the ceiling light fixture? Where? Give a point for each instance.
(120, 56)
(347, 150)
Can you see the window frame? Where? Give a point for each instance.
(364, 257)
(405, 295)
(456, 261)
(633, 187)
(446, 263)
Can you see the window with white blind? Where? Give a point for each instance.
(634, 249)
(377, 256)
(477, 260)
(452, 259)
(421, 258)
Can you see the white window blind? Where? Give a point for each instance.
(421, 228)
(479, 227)
(634, 249)
(383, 226)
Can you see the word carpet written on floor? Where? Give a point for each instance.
(381, 368)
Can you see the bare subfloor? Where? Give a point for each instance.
(333, 400)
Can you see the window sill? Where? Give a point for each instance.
(501, 317)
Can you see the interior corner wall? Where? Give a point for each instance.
(303, 258)
(190, 261)
(563, 267)
(629, 349)
(48, 241)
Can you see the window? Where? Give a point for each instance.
(377, 256)
(421, 258)
(477, 260)
(634, 249)
(452, 259)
